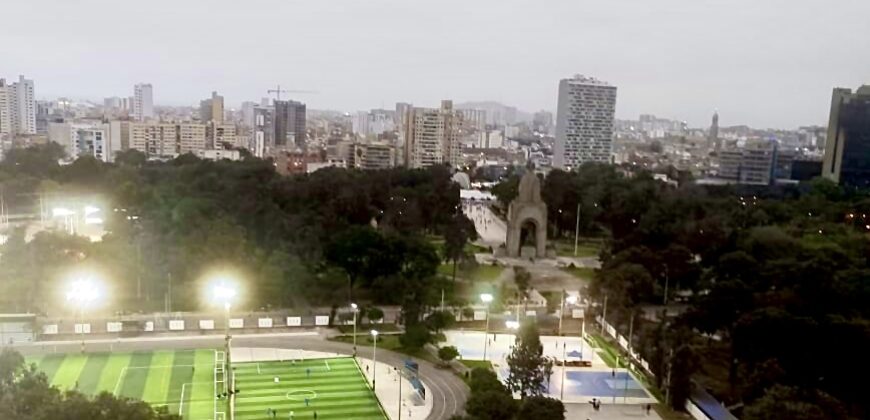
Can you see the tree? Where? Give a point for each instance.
(447, 353)
(439, 320)
(526, 363)
(491, 405)
(374, 314)
(457, 234)
(541, 408)
(783, 402)
(415, 337)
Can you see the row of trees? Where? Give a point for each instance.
(27, 395)
(319, 239)
(775, 278)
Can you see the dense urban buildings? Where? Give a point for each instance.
(143, 102)
(584, 122)
(85, 138)
(847, 152)
(17, 107)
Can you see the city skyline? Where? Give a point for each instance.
(370, 55)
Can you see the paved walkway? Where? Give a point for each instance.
(608, 412)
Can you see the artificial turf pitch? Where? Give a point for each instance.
(335, 389)
(183, 380)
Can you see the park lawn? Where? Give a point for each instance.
(608, 353)
(181, 380)
(585, 248)
(478, 273)
(471, 364)
(585, 273)
(334, 388)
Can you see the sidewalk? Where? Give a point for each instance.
(609, 412)
(387, 391)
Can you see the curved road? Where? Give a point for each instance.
(447, 391)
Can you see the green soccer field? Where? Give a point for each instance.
(183, 380)
(335, 389)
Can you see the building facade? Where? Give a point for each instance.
(158, 140)
(431, 136)
(757, 163)
(372, 156)
(17, 107)
(584, 122)
(289, 125)
(83, 139)
(143, 102)
(212, 109)
(847, 147)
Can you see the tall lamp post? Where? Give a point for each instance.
(570, 300)
(82, 292)
(374, 358)
(224, 295)
(355, 310)
(486, 298)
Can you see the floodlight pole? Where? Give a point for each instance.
(355, 310)
(375, 360)
(561, 312)
(486, 333)
(82, 323)
(564, 365)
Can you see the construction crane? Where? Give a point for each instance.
(278, 91)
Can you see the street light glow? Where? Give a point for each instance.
(375, 333)
(571, 299)
(223, 293)
(82, 292)
(486, 297)
(354, 306)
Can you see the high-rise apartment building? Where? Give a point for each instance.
(847, 147)
(584, 122)
(212, 109)
(289, 124)
(261, 130)
(714, 131)
(17, 107)
(432, 136)
(143, 102)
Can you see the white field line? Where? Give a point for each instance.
(181, 402)
(118, 383)
(258, 368)
(327, 366)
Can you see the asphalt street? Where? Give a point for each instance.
(447, 390)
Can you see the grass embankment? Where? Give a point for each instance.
(586, 247)
(585, 273)
(478, 273)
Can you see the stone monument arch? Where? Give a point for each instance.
(527, 210)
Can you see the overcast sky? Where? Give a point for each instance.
(765, 63)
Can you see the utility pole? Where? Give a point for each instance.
(667, 280)
(577, 229)
(564, 365)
